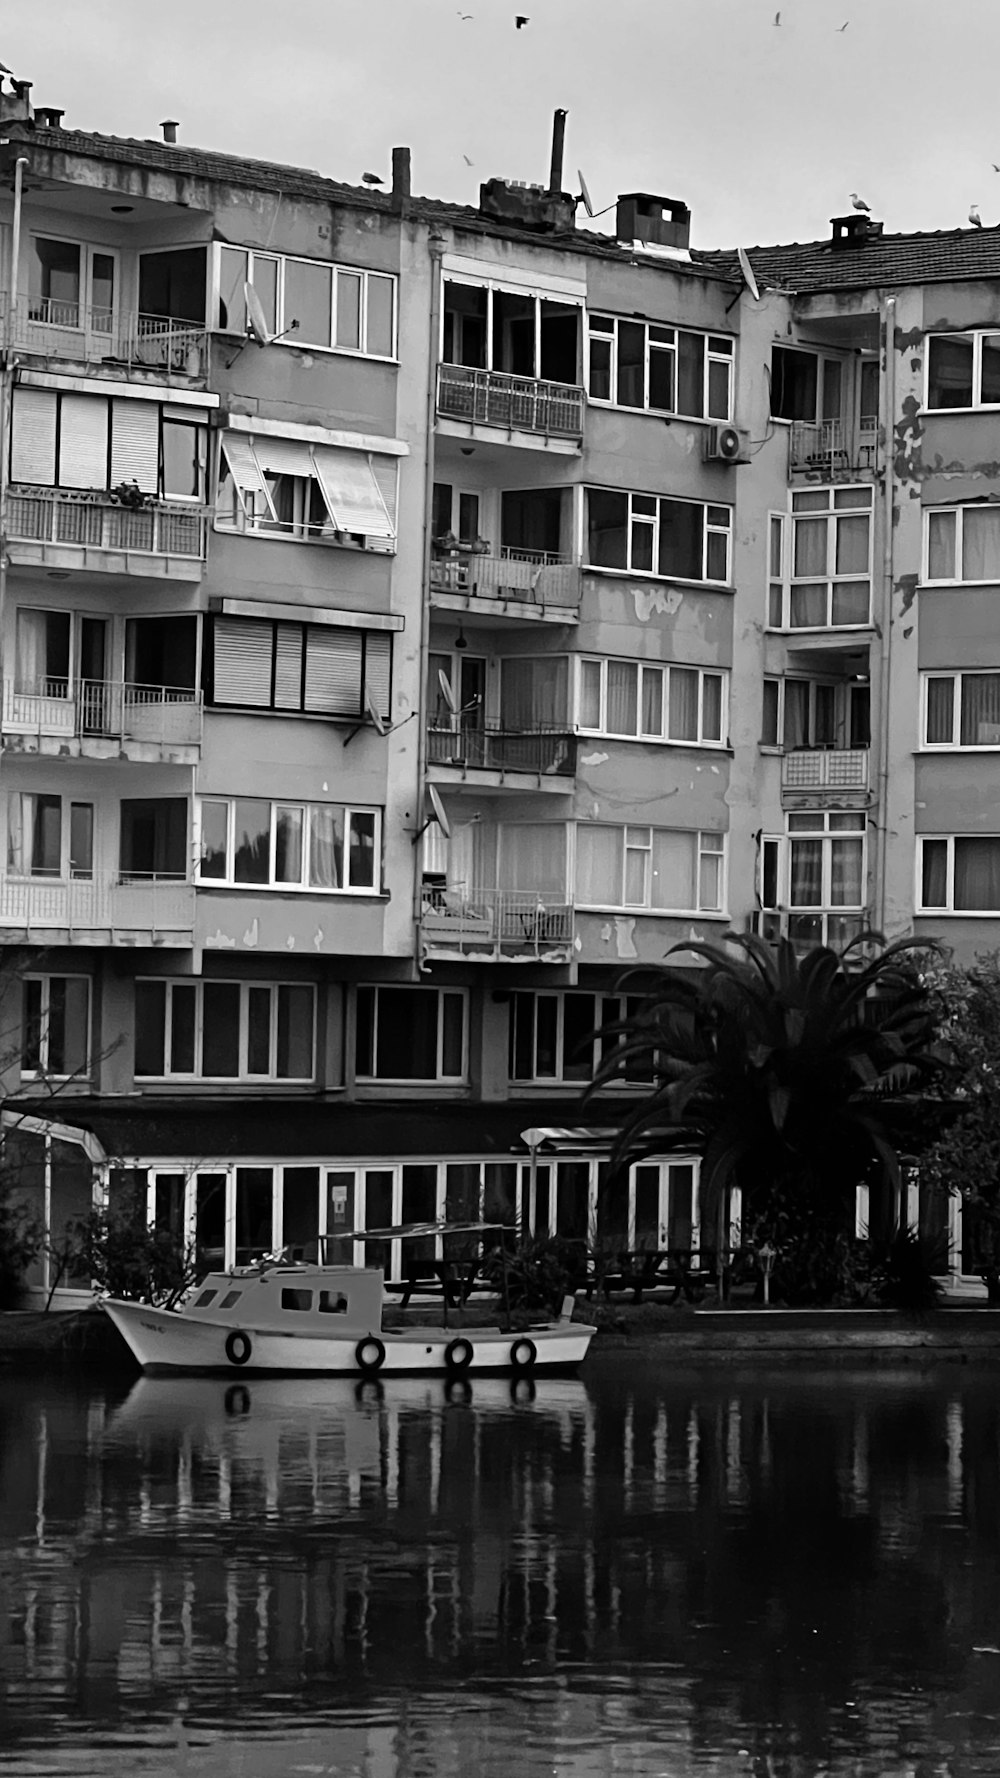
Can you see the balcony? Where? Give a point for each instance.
(496, 925)
(533, 584)
(95, 716)
(543, 753)
(812, 776)
(63, 528)
(103, 908)
(496, 398)
(155, 348)
(833, 450)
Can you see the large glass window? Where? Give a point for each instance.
(224, 1030)
(961, 710)
(643, 364)
(410, 1034)
(646, 534)
(312, 846)
(660, 703)
(565, 1036)
(337, 308)
(55, 1025)
(959, 874)
(49, 836)
(963, 543)
(963, 370)
(670, 870)
(826, 574)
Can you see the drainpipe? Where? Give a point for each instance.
(6, 382)
(888, 565)
(435, 247)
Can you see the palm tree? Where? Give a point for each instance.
(785, 1071)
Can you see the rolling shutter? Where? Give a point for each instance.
(246, 472)
(33, 447)
(378, 663)
(242, 662)
(333, 671)
(288, 667)
(83, 442)
(351, 492)
(386, 473)
(283, 456)
(135, 444)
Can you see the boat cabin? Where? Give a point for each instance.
(331, 1300)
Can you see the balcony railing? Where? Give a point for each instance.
(519, 404)
(82, 331)
(162, 907)
(97, 708)
(833, 448)
(825, 768)
(531, 577)
(497, 923)
(547, 752)
(93, 521)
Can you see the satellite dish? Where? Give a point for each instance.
(446, 692)
(438, 808)
(373, 713)
(585, 196)
(256, 318)
(747, 269)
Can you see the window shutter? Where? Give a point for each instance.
(135, 444)
(333, 671)
(386, 473)
(351, 492)
(83, 442)
(288, 667)
(245, 470)
(283, 456)
(33, 448)
(243, 662)
(378, 664)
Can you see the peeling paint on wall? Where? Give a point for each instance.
(906, 587)
(908, 433)
(318, 937)
(624, 939)
(219, 941)
(594, 759)
(659, 601)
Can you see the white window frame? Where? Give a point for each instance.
(790, 580)
(85, 305)
(244, 1073)
(823, 360)
(949, 910)
(652, 521)
(283, 320)
(638, 839)
(194, 418)
(665, 670)
(252, 513)
(492, 289)
(66, 872)
(439, 1076)
(959, 578)
(605, 327)
(46, 978)
(615, 1005)
(303, 887)
(977, 336)
(955, 745)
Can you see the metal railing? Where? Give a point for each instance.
(497, 923)
(833, 447)
(549, 752)
(115, 709)
(100, 335)
(829, 768)
(520, 404)
(94, 521)
(103, 902)
(532, 577)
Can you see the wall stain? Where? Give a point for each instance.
(624, 937)
(662, 601)
(906, 587)
(907, 449)
(594, 759)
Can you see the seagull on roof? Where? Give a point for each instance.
(372, 179)
(777, 18)
(859, 203)
(974, 216)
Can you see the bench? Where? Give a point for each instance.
(451, 1279)
(674, 1270)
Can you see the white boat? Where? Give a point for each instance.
(281, 1315)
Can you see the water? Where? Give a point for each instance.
(641, 1572)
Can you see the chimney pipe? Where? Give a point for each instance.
(400, 177)
(558, 138)
(48, 117)
(21, 88)
(169, 128)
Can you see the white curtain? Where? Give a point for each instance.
(852, 544)
(810, 547)
(652, 701)
(807, 874)
(17, 862)
(941, 545)
(31, 652)
(599, 865)
(683, 704)
(673, 869)
(940, 711)
(977, 874)
(981, 543)
(326, 847)
(846, 889)
(533, 858)
(623, 685)
(980, 709)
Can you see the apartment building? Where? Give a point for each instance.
(414, 615)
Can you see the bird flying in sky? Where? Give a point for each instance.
(859, 203)
(974, 216)
(844, 26)
(777, 18)
(520, 18)
(467, 161)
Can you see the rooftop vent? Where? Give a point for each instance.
(547, 210)
(653, 221)
(48, 118)
(852, 231)
(169, 128)
(15, 106)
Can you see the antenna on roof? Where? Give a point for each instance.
(587, 201)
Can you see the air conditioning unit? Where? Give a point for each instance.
(727, 444)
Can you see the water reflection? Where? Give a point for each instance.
(642, 1573)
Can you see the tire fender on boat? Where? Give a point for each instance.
(369, 1354)
(458, 1356)
(239, 1348)
(523, 1354)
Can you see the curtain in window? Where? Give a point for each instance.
(981, 543)
(590, 694)
(808, 607)
(683, 704)
(810, 547)
(471, 857)
(807, 874)
(941, 545)
(940, 712)
(623, 681)
(533, 858)
(326, 847)
(18, 817)
(599, 865)
(532, 693)
(31, 650)
(980, 709)
(934, 874)
(977, 874)
(652, 701)
(846, 890)
(673, 869)
(852, 544)
(796, 713)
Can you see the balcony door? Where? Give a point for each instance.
(94, 675)
(73, 290)
(457, 735)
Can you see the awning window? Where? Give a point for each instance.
(245, 470)
(351, 492)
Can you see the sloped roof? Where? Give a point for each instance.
(883, 261)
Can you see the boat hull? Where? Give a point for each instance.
(162, 1340)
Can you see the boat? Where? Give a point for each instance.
(283, 1314)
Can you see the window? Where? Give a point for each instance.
(338, 308)
(642, 364)
(49, 836)
(562, 1036)
(827, 584)
(248, 841)
(963, 370)
(963, 543)
(55, 1025)
(314, 492)
(70, 285)
(676, 539)
(960, 710)
(224, 1030)
(631, 698)
(154, 838)
(410, 1034)
(959, 874)
(815, 877)
(805, 386)
(488, 327)
(649, 867)
(816, 713)
(67, 440)
(43, 652)
(319, 669)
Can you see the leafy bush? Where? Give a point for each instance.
(21, 1239)
(127, 1257)
(539, 1273)
(906, 1268)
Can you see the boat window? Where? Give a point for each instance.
(332, 1302)
(206, 1297)
(232, 1297)
(296, 1299)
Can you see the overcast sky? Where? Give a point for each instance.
(763, 130)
